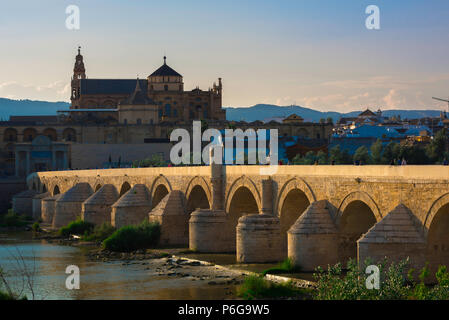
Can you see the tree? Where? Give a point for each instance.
(321, 157)
(376, 152)
(338, 156)
(362, 155)
(437, 148)
(330, 120)
(392, 151)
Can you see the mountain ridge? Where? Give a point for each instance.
(25, 107)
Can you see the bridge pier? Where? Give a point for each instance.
(37, 204)
(208, 232)
(259, 239)
(48, 205)
(132, 208)
(97, 208)
(396, 237)
(69, 206)
(22, 203)
(313, 238)
(174, 221)
(267, 197)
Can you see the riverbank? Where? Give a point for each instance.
(212, 269)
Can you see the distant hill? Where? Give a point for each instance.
(10, 107)
(266, 112)
(263, 112)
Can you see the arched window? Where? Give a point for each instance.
(139, 121)
(10, 135)
(160, 113)
(175, 113)
(166, 87)
(69, 134)
(125, 121)
(168, 110)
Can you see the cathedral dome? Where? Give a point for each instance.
(165, 71)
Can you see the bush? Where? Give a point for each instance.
(36, 227)
(256, 287)
(78, 227)
(285, 266)
(11, 219)
(131, 238)
(100, 233)
(395, 285)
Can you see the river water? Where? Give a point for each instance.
(98, 280)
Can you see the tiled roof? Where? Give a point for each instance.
(111, 86)
(138, 97)
(165, 70)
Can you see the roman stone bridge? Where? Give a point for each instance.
(314, 214)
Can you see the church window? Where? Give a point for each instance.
(139, 121)
(168, 110)
(175, 113)
(160, 113)
(125, 121)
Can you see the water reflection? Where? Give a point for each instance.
(99, 280)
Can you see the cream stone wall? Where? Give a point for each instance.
(358, 197)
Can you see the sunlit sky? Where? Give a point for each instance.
(313, 53)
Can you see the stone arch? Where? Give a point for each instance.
(197, 199)
(29, 134)
(159, 193)
(51, 134)
(10, 135)
(69, 134)
(124, 188)
(243, 181)
(295, 197)
(160, 180)
(201, 182)
(56, 190)
(242, 202)
(356, 215)
(437, 235)
(360, 196)
(434, 209)
(290, 185)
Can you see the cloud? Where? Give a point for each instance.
(55, 91)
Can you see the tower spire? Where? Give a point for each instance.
(165, 60)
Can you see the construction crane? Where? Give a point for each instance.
(444, 100)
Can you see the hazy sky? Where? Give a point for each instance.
(314, 53)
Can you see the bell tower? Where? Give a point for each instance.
(79, 72)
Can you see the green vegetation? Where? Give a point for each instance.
(12, 219)
(435, 152)
(99, 233)
(334, 285)
(78, 227)
(256, 287)
(156, 160)
(131, 238)
(36, 227)
(285, 266)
